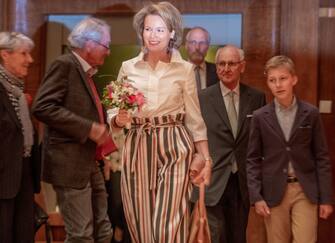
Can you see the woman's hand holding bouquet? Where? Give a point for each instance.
(123, 96)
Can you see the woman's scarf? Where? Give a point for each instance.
(14, 87)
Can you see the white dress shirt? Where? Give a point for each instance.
(86, 67)
(169, 89)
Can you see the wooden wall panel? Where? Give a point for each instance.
(327, 3)
(261, 38)
(69, 6)
(26, 17)
(327, 92)
(3, 15)
(299, 40)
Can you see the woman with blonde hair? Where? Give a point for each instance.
(159, 147)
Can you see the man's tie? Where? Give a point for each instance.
(96, 99)
(197, 77)
(232, 115)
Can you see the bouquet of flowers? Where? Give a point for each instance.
(121, 94)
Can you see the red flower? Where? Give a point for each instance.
(131, 99)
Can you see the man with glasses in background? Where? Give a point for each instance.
(196, 44)
(227, 108)
(76, 133)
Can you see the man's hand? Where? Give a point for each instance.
(262, 208)
(325, 210)
(98, 133)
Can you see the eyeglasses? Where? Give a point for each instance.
(230, 65)
(100, 44)
(195, 43)
(157, 30)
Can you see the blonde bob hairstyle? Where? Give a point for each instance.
(170, 15)
(280, 61)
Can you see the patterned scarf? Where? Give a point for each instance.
(14, 87)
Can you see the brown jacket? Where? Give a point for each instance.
(65, 104)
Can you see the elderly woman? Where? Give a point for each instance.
(159, 146)
(16, 143)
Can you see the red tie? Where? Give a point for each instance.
(96, 99)
(109, 146)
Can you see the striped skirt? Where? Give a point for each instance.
(155, 183)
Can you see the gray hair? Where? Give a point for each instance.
(198, 28)
(87, 29)
(170, 15)
(14, 40)
(239, 50)
(280, 61)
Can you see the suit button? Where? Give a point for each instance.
(288, 148)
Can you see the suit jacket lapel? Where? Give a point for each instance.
(9, 106)
(85, 81)
(272, 120)
(243, 107)
(218, 103)
(83, 77)
(209, 73)
(299, 118)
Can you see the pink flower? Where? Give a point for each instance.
(139, 98)
(110, 91)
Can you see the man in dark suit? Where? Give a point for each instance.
(288, 166)
(226, 108)
(68, 103)
(197, 41)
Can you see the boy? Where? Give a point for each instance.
(288, 167)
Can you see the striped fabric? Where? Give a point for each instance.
(155, 179)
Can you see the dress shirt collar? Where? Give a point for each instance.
(225, 91)
(202, 66)
(175, 57)
(280, 108)
(85, 65)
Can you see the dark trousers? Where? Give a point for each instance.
(229, 218)
(17, 214)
